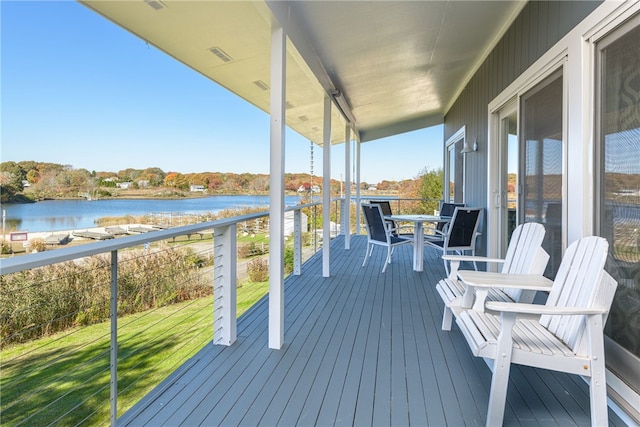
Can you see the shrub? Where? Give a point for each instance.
(37, 245)
(288, 260)
(5, 247)
(41, 301)
(249, 250)
(258, 270)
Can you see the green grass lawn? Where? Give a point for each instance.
(64, 379)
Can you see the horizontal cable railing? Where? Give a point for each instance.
(65, 355)
(66, 359)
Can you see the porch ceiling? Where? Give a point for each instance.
(398, 65)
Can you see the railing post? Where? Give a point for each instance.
(113, 364)
(224, 285)
(340, 203)
(297, 242)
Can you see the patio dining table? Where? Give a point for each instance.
(418, 241)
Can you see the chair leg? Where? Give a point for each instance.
(473, 252)
(501, 368)
(446, 267)
(598, 381)
(367, 254)
(498, 393)
(388, 260)
(447, 319)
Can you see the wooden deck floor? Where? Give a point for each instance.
(362, 348)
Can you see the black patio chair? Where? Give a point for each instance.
(385, 205)
(460, 235)
(380, 233)
(447, 209)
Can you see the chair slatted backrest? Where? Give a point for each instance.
(447, 209)
(374, 222)
(463, 228)
(385, 205)
(525, 254)
(581, 282)
(525, 240)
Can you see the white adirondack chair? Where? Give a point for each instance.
(524, 256)
(567, 337)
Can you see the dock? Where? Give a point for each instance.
(140, 229)
(116, 231)
(95, 235)
(57, 239)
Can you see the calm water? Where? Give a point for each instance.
(55, 215)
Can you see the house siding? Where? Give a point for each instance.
(538, 27)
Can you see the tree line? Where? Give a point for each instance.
(31, 180)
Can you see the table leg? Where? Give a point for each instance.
(418, 248)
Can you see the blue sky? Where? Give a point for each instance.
(76, 89)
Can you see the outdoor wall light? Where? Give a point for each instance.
(468, 148)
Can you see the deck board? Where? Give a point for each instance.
(361, 348)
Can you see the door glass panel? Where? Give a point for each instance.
(511, 128)
(618, 207)
(452, 172)
(455, 164)
(541, 151)
(507, 197)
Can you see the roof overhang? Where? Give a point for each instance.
(389, 66)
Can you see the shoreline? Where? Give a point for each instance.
(63, 238)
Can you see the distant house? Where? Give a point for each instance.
(125, 185)
(197, 188)
(143, 183)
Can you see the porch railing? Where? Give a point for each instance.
(65, 376)
(64, 368)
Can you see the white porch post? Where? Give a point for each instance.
(358, 187)
(224, 285)
(276, 191)
(347, 188)
(326, 187)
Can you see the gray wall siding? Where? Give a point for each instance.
(538, 27)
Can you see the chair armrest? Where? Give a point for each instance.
(455, 261)
(479, 283)
(515, 307)
(522, 286)
(485, 279)
(477, 258)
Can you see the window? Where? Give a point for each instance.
(454, 173)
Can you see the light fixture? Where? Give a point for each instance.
(468, 148)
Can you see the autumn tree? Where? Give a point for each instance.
(430, 189)
(176, 180)
(11, 179)
(425, 190)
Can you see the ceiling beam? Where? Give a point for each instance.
(283, 12)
